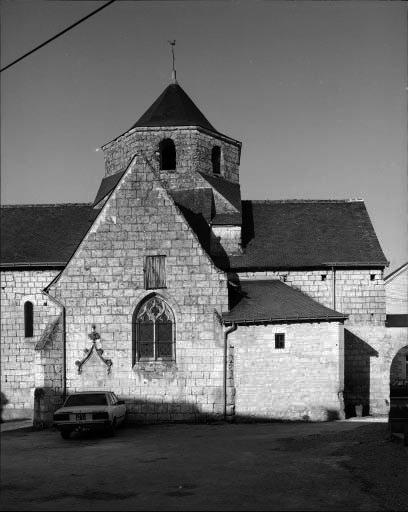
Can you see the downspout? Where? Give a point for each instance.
(64, 343)
(334, 287)
(228, 331)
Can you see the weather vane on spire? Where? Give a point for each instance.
(173, 72)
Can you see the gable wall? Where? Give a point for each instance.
(19, 371)
(103, 284)
(193, 151)
(356, 294)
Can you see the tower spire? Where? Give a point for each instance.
(173, 71)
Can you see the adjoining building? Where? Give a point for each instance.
(187, 301)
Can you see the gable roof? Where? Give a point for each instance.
(307, 233)
(42, 235)
(107, 185)
(274, 301)
(173, 108)
(395, 272)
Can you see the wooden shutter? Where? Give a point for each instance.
(155, 272)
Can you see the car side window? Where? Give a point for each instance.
(114, 398)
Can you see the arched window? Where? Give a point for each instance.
(167, 155)
(153, 330)
(28, 319)
(216, 159)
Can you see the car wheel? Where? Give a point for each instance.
(112, 427)
(65, 434)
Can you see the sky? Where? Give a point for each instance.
(316, 92)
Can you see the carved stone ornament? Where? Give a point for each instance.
(94, 336)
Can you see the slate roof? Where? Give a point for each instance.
(42, 235)
(173, 108)
(274, 301)
(107, 185)
(199, 201)
(308, 233)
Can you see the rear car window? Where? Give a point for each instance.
(85, 399)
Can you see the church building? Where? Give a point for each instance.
(188, 302)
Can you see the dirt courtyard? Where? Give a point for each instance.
(271, 466)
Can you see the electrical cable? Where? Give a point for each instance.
(57, 35)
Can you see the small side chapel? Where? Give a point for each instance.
(188, 302)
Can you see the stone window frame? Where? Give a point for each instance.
(139, 311)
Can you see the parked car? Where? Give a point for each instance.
(90, 410)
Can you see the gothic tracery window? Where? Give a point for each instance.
(153, 331)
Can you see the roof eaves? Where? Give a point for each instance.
(287, 319)
(24, 264)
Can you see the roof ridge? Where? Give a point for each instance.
(43, 205)
(304, 200)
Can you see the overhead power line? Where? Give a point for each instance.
(57, 35)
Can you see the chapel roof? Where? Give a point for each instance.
(42, 235)
(173, 108)
(306, 233)
(273, 301)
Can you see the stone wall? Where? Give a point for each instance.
(20, 373)
(396, 290)
(229, 237)
(193, 150)
(104, 283)
(356, 293)
(301, 381)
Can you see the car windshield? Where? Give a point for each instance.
(86, 399)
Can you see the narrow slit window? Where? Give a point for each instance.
(28, 319)
(216, 159)
(279, 340)
(155, 272)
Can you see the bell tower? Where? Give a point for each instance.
(190, 156)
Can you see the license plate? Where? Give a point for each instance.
(81, 416)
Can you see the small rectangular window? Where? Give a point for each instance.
(279, 340)
(323, 276)
(372, 277)
(155, 272)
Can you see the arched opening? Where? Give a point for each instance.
(216, 159)
(28, 319)
(167, 155)
(153, 330)
(399, 373)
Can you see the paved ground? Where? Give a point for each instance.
(293, 466)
